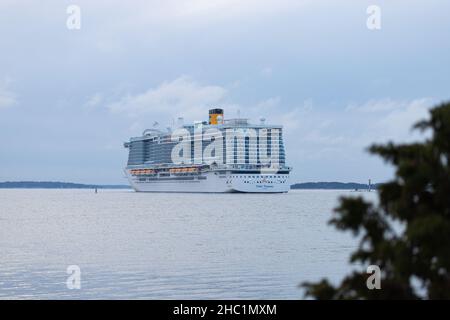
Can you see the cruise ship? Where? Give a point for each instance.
(218, 155)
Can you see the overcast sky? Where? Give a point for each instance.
(70, 98)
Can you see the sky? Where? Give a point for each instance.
(69, 98)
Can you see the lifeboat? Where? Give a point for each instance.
(137, 172)
(183, 170)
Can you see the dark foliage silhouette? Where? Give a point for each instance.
(408, 233)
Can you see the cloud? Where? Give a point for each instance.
(269, 103)
(388, 119)
(205, 7)
(275, 112)
(388, 104)
(320, 133)
(266, 72)
(376, 106)
(182, 96)
(205, 10)
(398, 121)
(374, 121)
(355, 126)
(95, 100)
(7, 97)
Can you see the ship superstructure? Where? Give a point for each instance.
(218, 155)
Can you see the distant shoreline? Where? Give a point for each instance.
(332, 186)
(56, 185)
(71, 185)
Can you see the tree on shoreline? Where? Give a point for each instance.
(415, 255)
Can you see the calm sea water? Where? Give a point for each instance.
(168, 246)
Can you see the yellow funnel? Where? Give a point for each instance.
(216, 116)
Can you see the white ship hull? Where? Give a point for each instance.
(213, 182)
